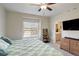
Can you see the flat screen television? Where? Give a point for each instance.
(71, 24)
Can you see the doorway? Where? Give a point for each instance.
(58, 31)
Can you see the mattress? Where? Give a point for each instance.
(32, 47)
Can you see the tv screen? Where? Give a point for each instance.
(71, 24)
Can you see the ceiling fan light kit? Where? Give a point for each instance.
(43, 6)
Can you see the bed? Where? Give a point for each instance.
(32, 47)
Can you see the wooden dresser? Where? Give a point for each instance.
(71, 45)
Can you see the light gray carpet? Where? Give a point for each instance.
(32, 47)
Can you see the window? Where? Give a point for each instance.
(31, 29)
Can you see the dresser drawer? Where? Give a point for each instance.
(74, 47)
(65, 44)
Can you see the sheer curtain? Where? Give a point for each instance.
(31, 28)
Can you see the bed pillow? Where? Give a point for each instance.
(3, 53)
(3, 45)
(6, 40)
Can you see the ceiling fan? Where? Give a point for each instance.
(43, 6)
(46, 6)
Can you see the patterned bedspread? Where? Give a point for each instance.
(32, 47)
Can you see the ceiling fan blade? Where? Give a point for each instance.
(39, 9)
(50, 3)
(49, 8)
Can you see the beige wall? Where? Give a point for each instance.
(2, 21)
(14, 23)
(68, 15)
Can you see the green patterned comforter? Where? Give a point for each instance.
(32, 47)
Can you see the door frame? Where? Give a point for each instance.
(58, 31)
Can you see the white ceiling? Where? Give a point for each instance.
(31, 9)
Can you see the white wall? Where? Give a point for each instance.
(2, 21)
(52, 29)
(14, 25)
(68, 15)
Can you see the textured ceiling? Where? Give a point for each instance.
(32, 9)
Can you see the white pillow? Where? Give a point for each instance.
(3, 45)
